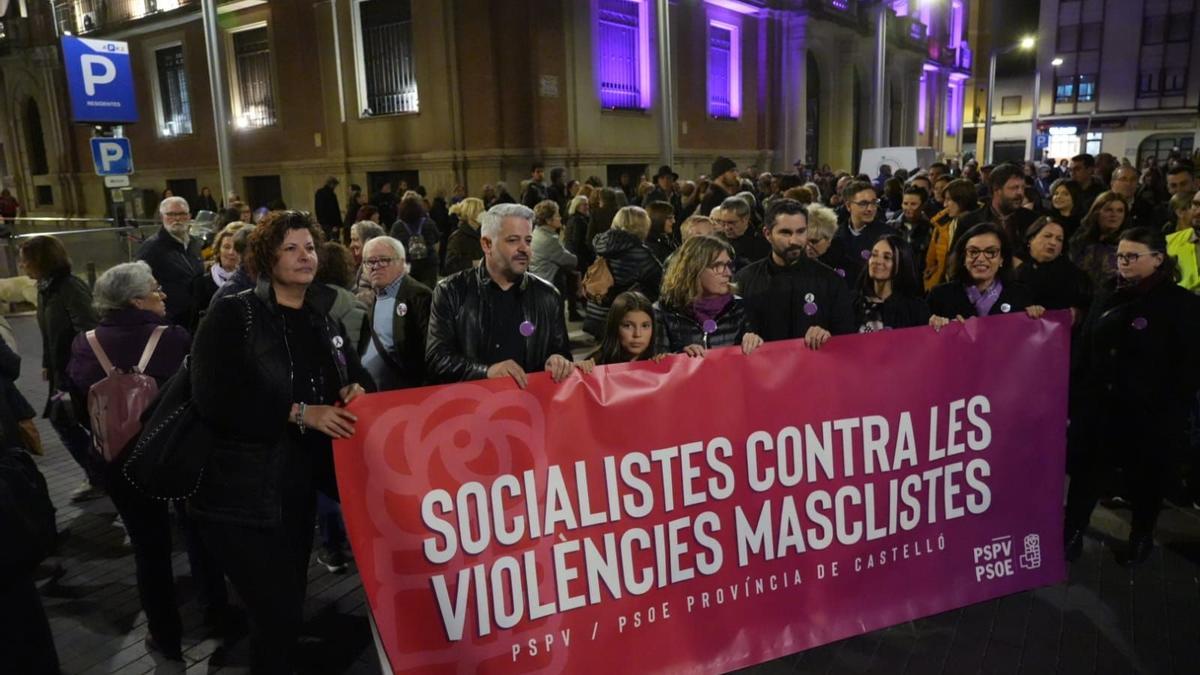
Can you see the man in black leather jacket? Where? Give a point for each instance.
(498, 321)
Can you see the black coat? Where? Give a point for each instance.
(950, 300)
(1136, 354)
(631, 262)
(459, 326)
(462, 248)
(64, 311)
(775, 299)
(174, 266)
(749, 248)
(857, 248)
(326, 209)
(241, 374)
(1057, 284)
(675, 329)
(898, 311)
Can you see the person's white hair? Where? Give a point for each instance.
(490, 220)
(822, 222)
(162, 206)
(120, 285)
(367, 230)
(574, 205)
(396, 244)
(816, 192)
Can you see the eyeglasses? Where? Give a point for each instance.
(375, 263)
(987, 253)
(177, 214)
(1131, 258)
(865, 204)
(719, 267)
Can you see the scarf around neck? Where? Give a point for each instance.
(219, 276)
(983, 300)
(705, 309)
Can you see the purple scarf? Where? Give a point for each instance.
(983, 300)
(705, 309)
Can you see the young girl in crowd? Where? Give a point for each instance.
(628, 333)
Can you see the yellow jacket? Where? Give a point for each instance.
(1182, 245)
(939, 249)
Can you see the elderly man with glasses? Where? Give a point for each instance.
(173, 255)
(394, 351)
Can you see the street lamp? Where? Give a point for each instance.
(1026, 43)
(1037, 101)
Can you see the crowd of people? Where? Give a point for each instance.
(287, 319)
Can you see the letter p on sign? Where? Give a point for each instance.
(97, 69)
(112, 156)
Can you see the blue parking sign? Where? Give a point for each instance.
(100, 81)
(112, 156)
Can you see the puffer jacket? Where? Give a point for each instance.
(633, 267)
(241, 375)
(460, 317)
(675, 328)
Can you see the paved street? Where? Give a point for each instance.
(1105, 620)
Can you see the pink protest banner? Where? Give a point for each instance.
(708, 514)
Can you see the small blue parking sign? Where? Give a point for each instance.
(100, 80)
(112, 156)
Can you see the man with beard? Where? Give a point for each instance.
(174, 256)
(496, 320)
(1083, 170)
(1007, 185)
(788, 295)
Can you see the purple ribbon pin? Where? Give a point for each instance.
(709, 327)
(866, 255)
(1140, 323)
(840, 272)
(810, 308)
(527, 328)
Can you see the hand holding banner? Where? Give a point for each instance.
(709, 514)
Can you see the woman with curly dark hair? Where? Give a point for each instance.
(981, 282)
(271, 373)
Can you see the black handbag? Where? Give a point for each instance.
(60, 410)
(167, 460)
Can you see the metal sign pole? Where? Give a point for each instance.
(216, 80)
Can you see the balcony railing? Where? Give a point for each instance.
(82, 17)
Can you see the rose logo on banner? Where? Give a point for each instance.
(493, 535)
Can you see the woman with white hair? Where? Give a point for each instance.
(133, 313)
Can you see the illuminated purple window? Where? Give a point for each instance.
(624, 54)
(724, 71)
(922, 92)
(954, 104)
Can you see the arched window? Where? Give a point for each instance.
(1160, 147)
(35, 141)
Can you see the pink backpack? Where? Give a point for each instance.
(116, 403)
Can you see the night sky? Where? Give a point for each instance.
(1012, 19)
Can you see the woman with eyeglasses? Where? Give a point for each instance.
(697, 309)
(889, 294)
(1138, 370)
(1184, 245)
(1052, 279)
(132, 308)
(981, 282)
(273, 356)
